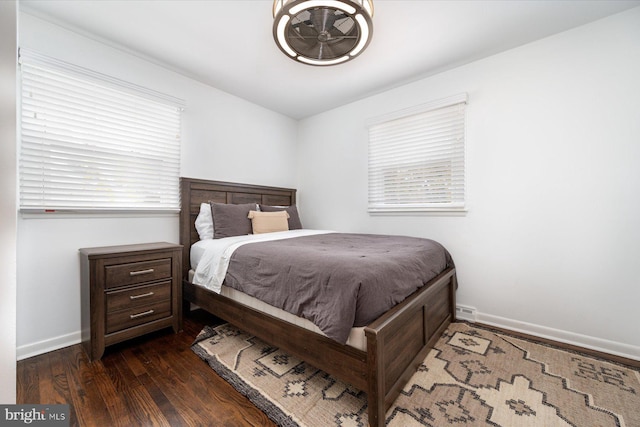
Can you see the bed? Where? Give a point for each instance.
(396, 342)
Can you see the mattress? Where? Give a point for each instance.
(356, 337)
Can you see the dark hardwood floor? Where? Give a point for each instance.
(155, 380)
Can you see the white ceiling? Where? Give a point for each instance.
(228, 44)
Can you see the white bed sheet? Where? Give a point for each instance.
(211, 258)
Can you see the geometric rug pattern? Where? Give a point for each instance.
(472, 377)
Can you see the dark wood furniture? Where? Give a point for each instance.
(128, 291)
(397, 342)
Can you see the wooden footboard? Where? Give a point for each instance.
(399, 340)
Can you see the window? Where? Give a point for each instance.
(93, 143)
(417, 159)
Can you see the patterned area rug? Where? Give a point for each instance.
(473, 377)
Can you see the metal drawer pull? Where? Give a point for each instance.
(146, 313)
(148, 294)
(139, 272)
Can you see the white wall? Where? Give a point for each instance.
(224, 138)
(551, 238)
(8, 52)
(551, 242)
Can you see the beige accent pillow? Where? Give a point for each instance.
(268, 222)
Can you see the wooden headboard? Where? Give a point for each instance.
(193, 192)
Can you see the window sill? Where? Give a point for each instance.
(62, 214)
(418, 212)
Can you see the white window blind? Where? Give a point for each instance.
(92, 143)
(417, 159)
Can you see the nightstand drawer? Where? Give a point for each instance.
(140, 295)
(138, 315)
(137, 272)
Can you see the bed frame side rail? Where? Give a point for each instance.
(344, 362)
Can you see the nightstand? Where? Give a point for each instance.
(128, 291)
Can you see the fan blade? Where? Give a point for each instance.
(337, 34)
(344, 29)
(321, 51)
(342, 46)
(306, 31)
(343, 24)
(301, 45)
(322, 19)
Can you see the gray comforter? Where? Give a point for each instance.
(336, 280)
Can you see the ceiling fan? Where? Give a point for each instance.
(322, 32)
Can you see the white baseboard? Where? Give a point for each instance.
(45, 346)
(593, 343)
(462, 313)
(37, 348)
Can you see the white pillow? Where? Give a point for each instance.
(204, 222)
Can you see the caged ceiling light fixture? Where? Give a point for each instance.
(322, 32)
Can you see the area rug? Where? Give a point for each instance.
(473, 377)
